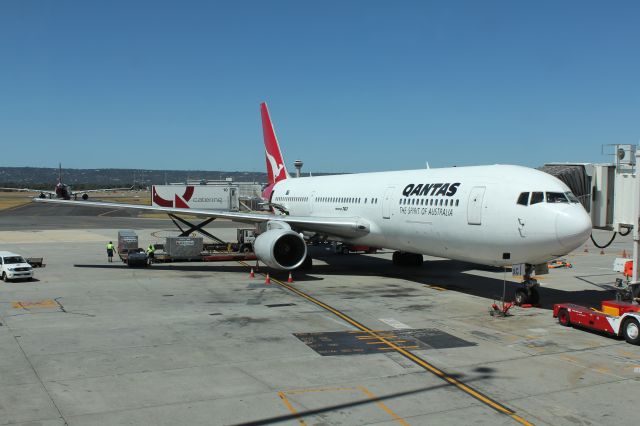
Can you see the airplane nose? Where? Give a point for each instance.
(573, 227)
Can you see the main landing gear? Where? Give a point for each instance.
(401, 258)
(528, 294)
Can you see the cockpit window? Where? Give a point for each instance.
(523, 199)
(556, 197)
(537, 197)
(572, 198)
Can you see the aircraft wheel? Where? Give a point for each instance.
(631, 331)
(522, 297)
(563, 317)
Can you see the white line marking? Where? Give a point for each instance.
(395, 323)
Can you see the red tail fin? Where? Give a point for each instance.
(276, 170)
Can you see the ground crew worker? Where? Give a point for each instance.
(110, 251)
(150, 252)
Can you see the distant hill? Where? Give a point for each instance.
(46, 178)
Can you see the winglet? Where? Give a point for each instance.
(276, 169)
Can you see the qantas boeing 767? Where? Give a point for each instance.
(491, 215)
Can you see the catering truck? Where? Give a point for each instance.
(208, 197)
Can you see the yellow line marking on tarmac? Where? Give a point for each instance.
(390, 336)
(290, 407)
(383, 406)
(362, 389)
(47, 303)
(435, 287)
(327, 389)
(106, 213)
(409, 355)
(403, 347)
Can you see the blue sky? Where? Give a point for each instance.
(352, 86)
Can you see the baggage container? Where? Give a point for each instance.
(183, 247)
(127, 240)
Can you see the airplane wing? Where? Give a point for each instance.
(28, 190)
(348, 227)
(103, 190)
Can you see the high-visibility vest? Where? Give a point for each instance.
(109, 246)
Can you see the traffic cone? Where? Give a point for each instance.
(290, 279)
(267, 280)
(601, 251)
(624, 253)
(252, 274)
(586, 248)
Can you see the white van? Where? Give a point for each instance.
(14, 267)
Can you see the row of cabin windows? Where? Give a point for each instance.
(351, 200)
(551, 197)
(430, 202)
(298, 199)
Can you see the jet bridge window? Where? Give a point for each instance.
(523, 199)
(556, 197)
(537, 197)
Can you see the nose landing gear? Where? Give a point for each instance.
(529, 293)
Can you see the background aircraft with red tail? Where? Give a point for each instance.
(63, 192)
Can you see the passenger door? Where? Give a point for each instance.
(386, 202)
(474, 207)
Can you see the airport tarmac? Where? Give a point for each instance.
(354, 341)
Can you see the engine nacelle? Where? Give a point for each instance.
(85, 196)
(280, 249)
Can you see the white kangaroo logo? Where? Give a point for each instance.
(275, 167)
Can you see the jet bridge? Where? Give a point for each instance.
(609, 192)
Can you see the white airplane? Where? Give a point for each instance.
(491, 215)
(63, 191)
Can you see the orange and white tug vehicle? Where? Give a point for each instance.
(616, 318)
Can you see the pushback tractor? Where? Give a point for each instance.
(616, 318)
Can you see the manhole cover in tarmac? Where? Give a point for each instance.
(360, 342)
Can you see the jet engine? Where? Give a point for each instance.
(280, 248)
(85, 196)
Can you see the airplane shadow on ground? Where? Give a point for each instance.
(441, 274)
(446, 274)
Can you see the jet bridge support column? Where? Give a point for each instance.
(636, 230)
